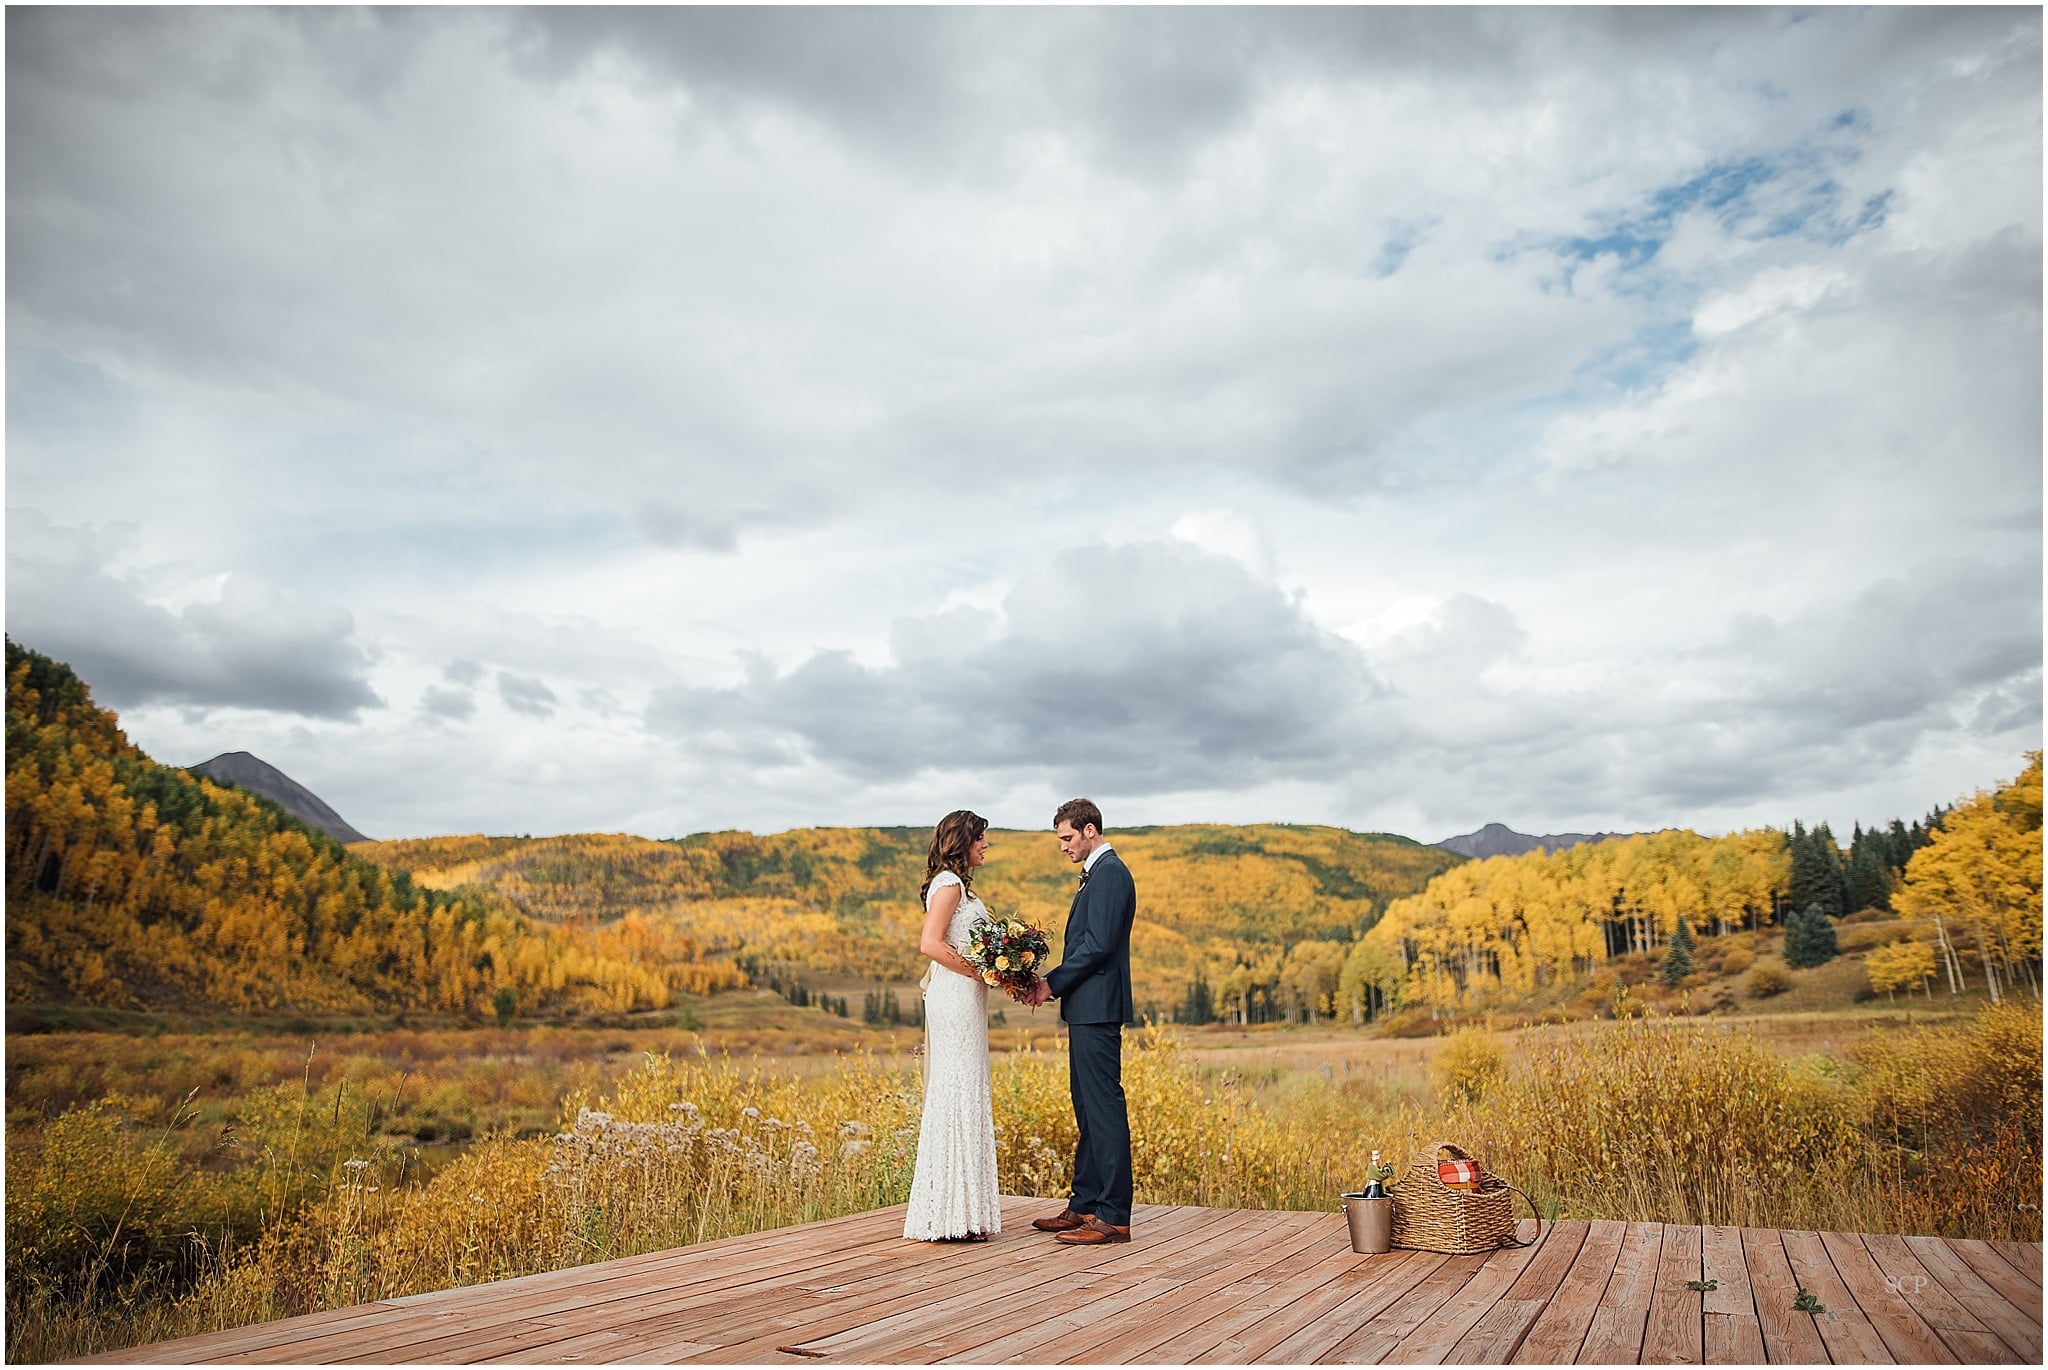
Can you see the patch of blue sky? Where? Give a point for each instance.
(1500, 442)
(442, 548)
(1786, 194)
(1403, 237)
(1638, 364)
(1489, 444)
(51, 393)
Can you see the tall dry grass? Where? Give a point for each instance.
(1645, 1120)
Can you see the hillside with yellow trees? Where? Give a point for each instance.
(136, 885)
(1220, 908)
(132, 884)
(1961, 906)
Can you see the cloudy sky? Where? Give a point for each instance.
(667, 420)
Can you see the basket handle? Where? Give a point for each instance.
(1534, 1212)
(1457, 1152)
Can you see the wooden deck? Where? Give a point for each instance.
(1207, 1286)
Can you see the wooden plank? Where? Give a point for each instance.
(781, 1245)
(1996, 1271)
(983, 1317)
(1623, 1314)
(1251, 1300)
(1790, 1336)
(1322, 1337)
(1906, 1334)
(1903, 1273)
(1732, 1339)
(599, 1302)
(1496, 1337)
(754, 1338)
(1150, 1311)
(461, 1348)
(1395, 1284)
(1468, 1307)
(592, 1295)
(1722, 1265)
(1057, 1330)
(1202, 1285)
(521, 1297)
(1293, 1304)
(2024, 1257)
(440, 1337)
(1842, 1324)
(935, 1315)
(1236, 1306)
(1560, 1329)
(1674, 1331)
(1397, 1319)
(2018, 1328)
(1022, 1285)
(504, 1346)
(208, 1345)
(1729, 1331)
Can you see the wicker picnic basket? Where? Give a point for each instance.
(1431, 1216)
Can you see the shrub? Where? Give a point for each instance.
(1678, 957)
(1735, 961)
(1899, 966)
(1864, 936)
(1468, 1066)
(1768, 979)
(1693, 1124)
(91, 1202)
(1964, 1100)
(1809, 938)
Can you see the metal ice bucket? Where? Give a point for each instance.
(1372, 1223)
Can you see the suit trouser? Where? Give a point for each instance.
(1102, 1157)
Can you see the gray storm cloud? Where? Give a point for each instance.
(255, 647)
(1159, 663)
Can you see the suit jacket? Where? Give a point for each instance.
(1093, 979)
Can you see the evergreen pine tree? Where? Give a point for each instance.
(1809, 938)
(1816, 870)
(1678, 960)
(1869, 887)
(1837, 870)
(1898, 846)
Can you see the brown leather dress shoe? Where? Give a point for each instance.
(1093, 1231)
(1066, 1220)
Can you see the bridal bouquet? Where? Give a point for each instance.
(1007, 953)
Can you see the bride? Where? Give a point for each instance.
(953, 1195)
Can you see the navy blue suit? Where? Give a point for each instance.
(1093, 984)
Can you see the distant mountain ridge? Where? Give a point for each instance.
(1498, 839)
(258, 776)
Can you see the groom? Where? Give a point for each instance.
(1093, 985)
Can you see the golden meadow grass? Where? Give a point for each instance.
(1645, 1120)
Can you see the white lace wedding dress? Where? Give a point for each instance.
(953, 1192)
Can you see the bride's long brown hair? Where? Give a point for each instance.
(957, 832)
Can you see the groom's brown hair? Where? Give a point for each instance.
(1079, 812)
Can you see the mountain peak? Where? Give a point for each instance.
(1498, 839)
(258, 776)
